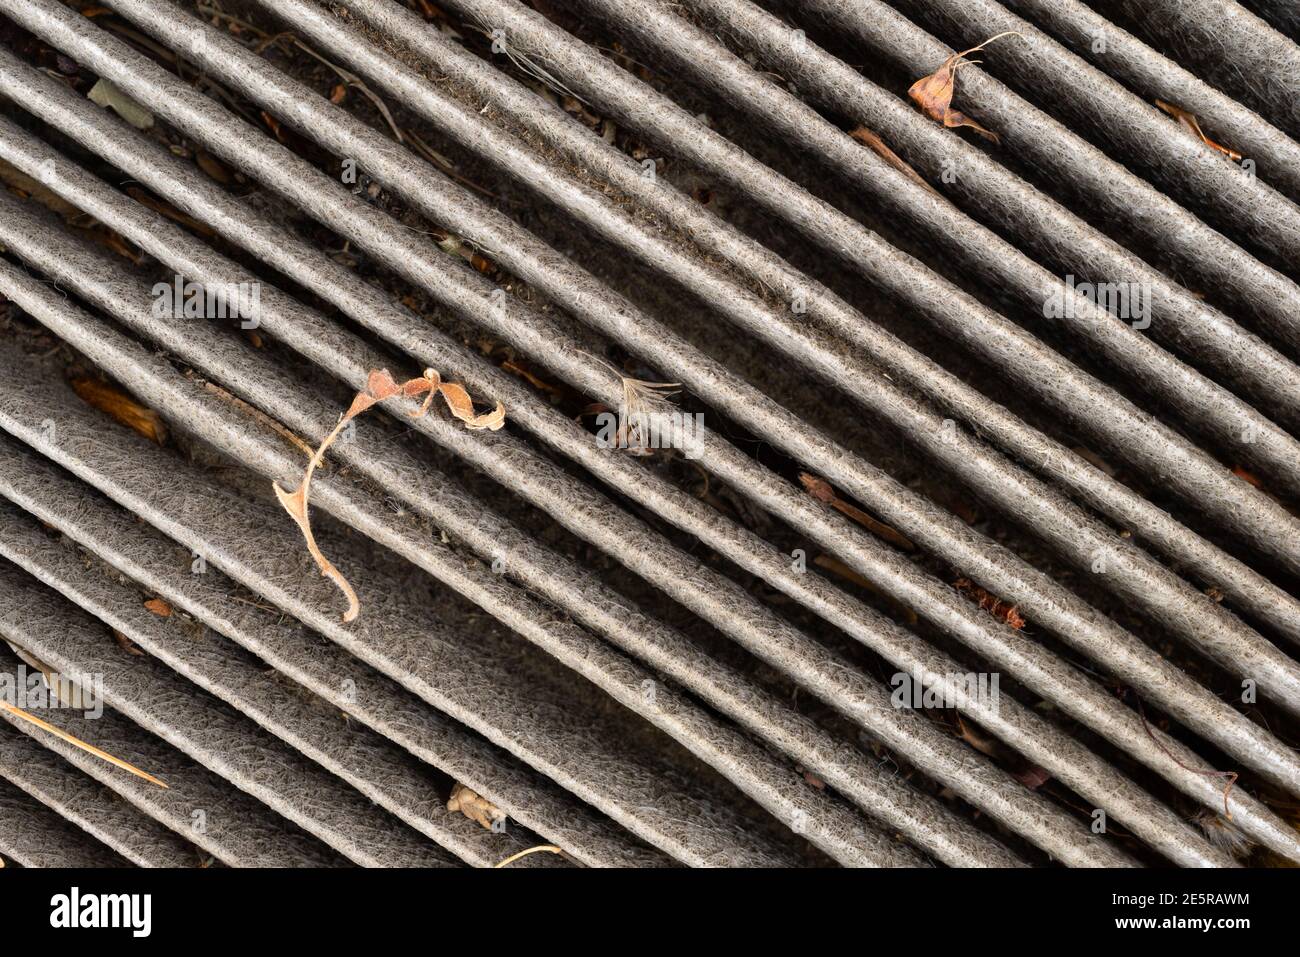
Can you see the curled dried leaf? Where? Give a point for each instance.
(295, 504)
(474, 806)
(458, 401)
(380, 385)
(933, 93)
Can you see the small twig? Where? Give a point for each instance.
(348, 77)
(821, 490)
(1189, 122)
(282, 430)
(446, 165)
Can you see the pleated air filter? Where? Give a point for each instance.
(647, 434)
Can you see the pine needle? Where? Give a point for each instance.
(78, 743)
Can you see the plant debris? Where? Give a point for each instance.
(641, 399)
(145, 198)
(159, 607)
(1229, 777)
(282, 430)
(1032, 776)
(1250, 478)
(878, 146)
(837, 567)
(933, 93)
(999, 609)
(821, 490)
(126, 644)
(548, 848)
(78, 743)
(106, 94)
(379, 386)
(1222, 834)
(26, 186)
(113, 401)
(1189, 122)
(812, 779)
(1029, 774)
(474, 806)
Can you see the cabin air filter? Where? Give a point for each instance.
(596, 433)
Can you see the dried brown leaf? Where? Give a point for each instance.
(1032, 776)
(458, 401)
(213, 167)
(933, 93)
(295, 504)
(999, 609)
(159, 607)
(113, 401)
(977, 739)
